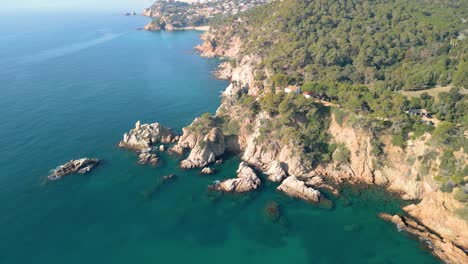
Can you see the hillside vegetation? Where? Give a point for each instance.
(397, 45)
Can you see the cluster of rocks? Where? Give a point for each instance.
(147, 135)
(80, 166)
(246, 180)
(143, 137)
(146, 157)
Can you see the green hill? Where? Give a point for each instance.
(391, 44)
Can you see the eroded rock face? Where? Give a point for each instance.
(224, 71)
(206, 150)
(297, 188)
(211, 48)
(276, 172)
(80, 166)
(246, 180)
(146, 135)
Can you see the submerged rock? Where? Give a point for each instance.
(272, 211)
(146, 135)
(155, 188)
(297, 188)
(276, 172)
(81, 166)
(168, 177)
(246, 181)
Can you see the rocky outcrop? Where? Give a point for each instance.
(263, 154)
(297, 188)
(276, 172)
(212, 47)
(152, 27)
(186, 141)
(247, 180)
(224, 71)
(146, 135)
(318, 183)
(444, 249)
(206, 150)
(80, 166)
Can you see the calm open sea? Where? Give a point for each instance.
(70, 86)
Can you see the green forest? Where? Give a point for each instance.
(390, 44)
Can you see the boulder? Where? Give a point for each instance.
(206, 150)
(276, 172)
(146, 135)
(246, 181)
(80, 166)
(207, 170)
(297, 188)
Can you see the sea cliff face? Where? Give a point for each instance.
(398, 169)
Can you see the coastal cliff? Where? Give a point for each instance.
(395, 167)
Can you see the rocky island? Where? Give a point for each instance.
(144, 137)
(80, 166)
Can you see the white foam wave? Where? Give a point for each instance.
(66, 50)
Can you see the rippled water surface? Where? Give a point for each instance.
(70, 86)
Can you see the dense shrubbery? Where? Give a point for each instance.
(298, 121)
(391, 44)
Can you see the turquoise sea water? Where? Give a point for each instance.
(70, 86)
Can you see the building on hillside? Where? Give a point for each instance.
(308, 94)
(293, 89)
(418, 112)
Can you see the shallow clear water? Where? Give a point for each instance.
(70, 86)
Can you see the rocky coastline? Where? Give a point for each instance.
(297, 178)
(205, 141)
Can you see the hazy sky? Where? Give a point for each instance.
(136, 5)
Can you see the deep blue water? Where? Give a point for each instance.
(70, 86)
